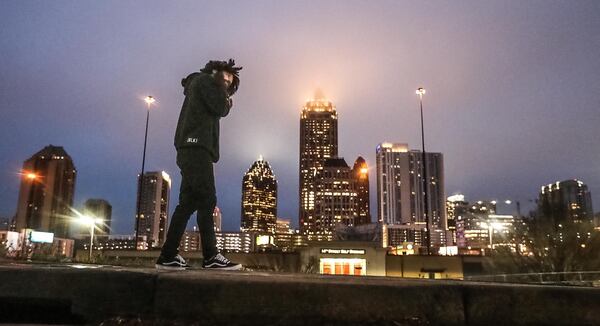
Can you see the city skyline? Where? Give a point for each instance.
(512, 92)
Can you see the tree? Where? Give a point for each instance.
(550, 243)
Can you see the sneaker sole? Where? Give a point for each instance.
(173, 268)
(232, 268)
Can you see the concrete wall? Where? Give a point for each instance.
(38, 294)
(420, 266)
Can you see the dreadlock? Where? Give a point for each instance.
(228, 66)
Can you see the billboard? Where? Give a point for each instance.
(42, 237)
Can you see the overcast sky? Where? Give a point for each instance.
(513, 90)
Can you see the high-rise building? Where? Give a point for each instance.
(456, 207)
(100, 209)
(476, 225)
(236, 241)
(479, 230)
(154, 208)
(259, 198)
(400, 189)
(283, 226)
(46, 193)
(360, 172)
(569, 199)
(190, 241)
(218, 219)
(318, 141)
(335, 199)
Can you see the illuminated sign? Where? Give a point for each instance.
(43, 237)
(343, 251)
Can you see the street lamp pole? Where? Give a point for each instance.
(92, 227)
(149, 100)
(421, 92)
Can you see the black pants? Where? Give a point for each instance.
(197, 193)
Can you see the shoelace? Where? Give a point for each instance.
(222, 258)
(180, 259)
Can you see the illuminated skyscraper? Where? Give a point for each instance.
(400, 191)
(318, 141)
(569, 199)
(335, 199)
(456, 208)
(154, 207)
(46, 193)
(259, 198)
(360, 173)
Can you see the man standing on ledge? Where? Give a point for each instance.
(207, 99)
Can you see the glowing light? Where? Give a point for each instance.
(455, 198)
(364, 170)
(149, 100)
(507, 202)
(420, 91)
(31, 176)
(497, 226)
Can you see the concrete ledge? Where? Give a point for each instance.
(95, 294)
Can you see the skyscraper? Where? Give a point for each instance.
(360, 173)
(46, 193)
(217, 219)
(456, 207)
(569, 199)
(335, 199)
(99, 208)
(259, 198)
(154, 208)
(318, 141)
(400, 191)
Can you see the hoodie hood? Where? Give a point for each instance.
(185, 82)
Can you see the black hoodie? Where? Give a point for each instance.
(205, 104)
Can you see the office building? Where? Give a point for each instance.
(46, 192)
(400, 191)
(335, 199)
(566, 200)
(318, 141)
(218, 219)
(360, 172)
(154, 209)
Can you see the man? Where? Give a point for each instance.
(207, 99)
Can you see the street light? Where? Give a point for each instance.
(421, 91)
(91, 222)
(149, 101)
(491, 227)
(31, 176)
